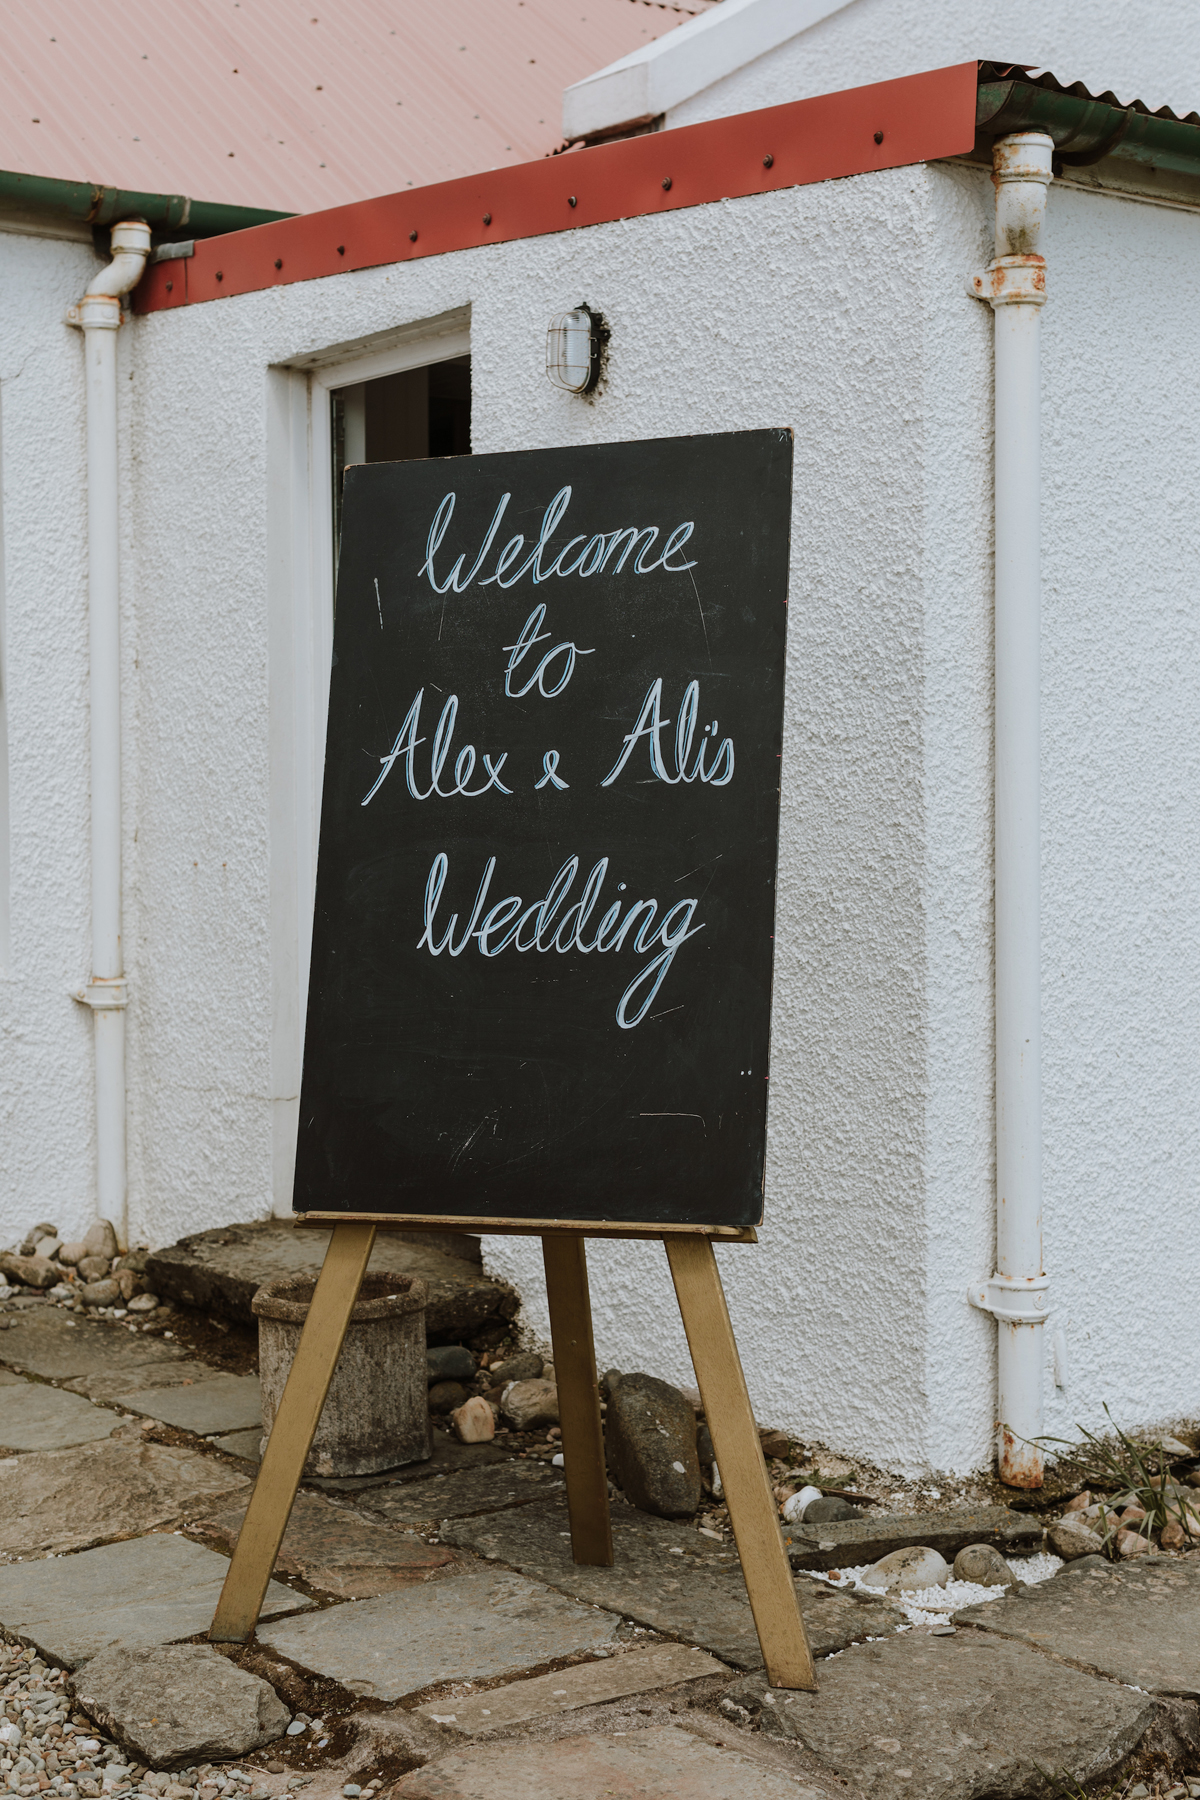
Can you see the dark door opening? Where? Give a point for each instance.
(414, 414)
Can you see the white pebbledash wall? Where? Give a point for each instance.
(1146, 49)
(47, 1112)
(839, 310)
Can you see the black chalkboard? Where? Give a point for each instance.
(541, 965)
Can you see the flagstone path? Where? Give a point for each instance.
(435, 1612)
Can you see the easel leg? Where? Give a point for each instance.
(740, 1459)
(565, 1257)
(292, 1433)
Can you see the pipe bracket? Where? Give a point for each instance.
(1011, 281)
(1011, 1299)
(103, 993)
(95, 312)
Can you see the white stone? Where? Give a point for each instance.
(793, 1507)
(908, 1570)
(474, 1422)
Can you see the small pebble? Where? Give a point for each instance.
(296, 1727)
(351, 1791)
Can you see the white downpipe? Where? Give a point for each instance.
(98, 314)
(1014, 284)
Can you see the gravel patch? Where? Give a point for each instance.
(49, 1748)
(934, 1605)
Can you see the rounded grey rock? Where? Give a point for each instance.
(444, 1396)
(983, 1565)
(100, 1293)
(451, 1362)
(528, 1404)
(829, 1511)
(101, 1240)
(1071, 1537)
(526, 1367)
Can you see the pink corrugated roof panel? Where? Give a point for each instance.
(299, 104)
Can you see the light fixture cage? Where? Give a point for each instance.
(574, 340)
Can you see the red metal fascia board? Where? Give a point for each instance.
(884, 126)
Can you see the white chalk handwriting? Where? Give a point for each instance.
(532, 927)
(600, 550)
(405, 749)
(650, 725)
(527, 637)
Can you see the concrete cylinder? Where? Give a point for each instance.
(376, 1414)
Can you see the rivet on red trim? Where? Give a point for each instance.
(571, 200)
(412, 237)
(666, 181)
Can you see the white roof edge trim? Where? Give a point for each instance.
(686, 61)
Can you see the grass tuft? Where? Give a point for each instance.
(1131, 1468)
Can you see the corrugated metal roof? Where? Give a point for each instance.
(299, 104)
(1035, 77)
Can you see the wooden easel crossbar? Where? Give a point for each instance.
(722, 1383)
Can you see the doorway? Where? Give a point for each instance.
(407, 416)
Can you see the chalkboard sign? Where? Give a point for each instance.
(542, 949)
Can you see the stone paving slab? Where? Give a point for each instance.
(109, 1386)
(464, 1493)
(1136, 1622)
(60, 1500)
(482, 1623)
(956, 1717)
(220, 1271)
(852, 1542)
(246, 1444)
(660, 1764)
(34, 1416)
(150, 1590)
(698, 1596)
(58, 1348)
(218, 1403)
(587, 1684)
(448, 1456)
(333, 1549)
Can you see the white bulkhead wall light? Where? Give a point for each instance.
(574, 341)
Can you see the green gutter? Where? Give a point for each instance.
(83, 203)
(1085, 129)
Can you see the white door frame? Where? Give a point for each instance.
(300, 645)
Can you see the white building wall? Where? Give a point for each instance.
(1146, 49)
(701, 342)
(46, 1113)
(840, 310)
(1121, 806)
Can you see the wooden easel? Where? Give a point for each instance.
(701, 1297)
